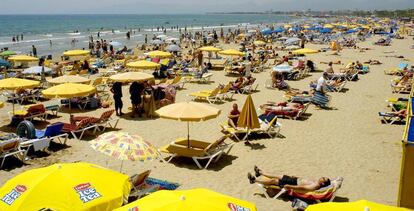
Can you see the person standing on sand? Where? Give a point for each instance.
(117, 95)
(34, 51)
(135, 90)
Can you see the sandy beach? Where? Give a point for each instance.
(347, 141)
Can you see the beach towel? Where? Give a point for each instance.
(320, 99)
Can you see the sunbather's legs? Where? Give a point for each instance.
(231, 123)
(262, 173)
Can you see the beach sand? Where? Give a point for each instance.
(347, 141)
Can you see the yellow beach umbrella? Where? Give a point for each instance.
(259, 42)
(69, 90)
(248, 116)
(131, 77)
(1, 104)
(329, 26)
(76, 53)
(23, 58)
(231, 52)
(360, 205)
(69, 79)
(305, 51)
(188, 112)
(17, 83)
(188, 200)
(159, 54)
(209, 49)
(143, 64)
(66, 186)
(287, 26)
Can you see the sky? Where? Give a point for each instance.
(188, 6)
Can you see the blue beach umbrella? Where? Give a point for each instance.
(4, 63)
(266, 31)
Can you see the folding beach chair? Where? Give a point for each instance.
(53, 132)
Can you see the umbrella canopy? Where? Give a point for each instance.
(69, 79)
(69, 90)
(353, 206)
(143, 64)
(157, 42)
(231, 52)
(283, 68)
(66, 186)
(172, 39)
(259, 42)
(4, 63)
(36, 70)
(188, 111)
(328, 26)
(189, 200)
(23, 58)
(131, 77)
(17, 83)
(123, 146)
(209, 49)
(76, 53)
(305, 51)
(292, 41)
(173, 48)
(248, 116)
(162, 36)
(7, 53)
(159, 54)
(1, 104)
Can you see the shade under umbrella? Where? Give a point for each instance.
(69, 79)
(4, 63)
(131, 77)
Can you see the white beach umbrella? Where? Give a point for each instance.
(115, 44)
(157, 42)
(173, 48)
(36, 70)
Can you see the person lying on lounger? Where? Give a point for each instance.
(401, 113)
(280, 107)
(288, 182)
(373, 62)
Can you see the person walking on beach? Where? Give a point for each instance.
(117, 95)
(21, 37)
(34, 51)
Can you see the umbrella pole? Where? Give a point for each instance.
(188, 134)
(122, 163)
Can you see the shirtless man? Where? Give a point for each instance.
(288, 182)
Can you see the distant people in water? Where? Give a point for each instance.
(34, 51)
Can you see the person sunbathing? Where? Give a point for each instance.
(401, 113)
(233, 116)
(281, 107)
(288, 182)
(373, 62)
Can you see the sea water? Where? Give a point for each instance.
(53, 34)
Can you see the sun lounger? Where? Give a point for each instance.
(205, 78)
(249, 88)
(105, 120)
(270, 128)
(80, 127)
(53, 132)
(30, 112)
(391, 118)
(398, 70)
(176, 82)
(53, 109)
(40, 144)
(218, 63)
(321, 195)
(198, 150)
(396, 88)
(210, 97)
(225, 92)
(138, 186)
(11, 148)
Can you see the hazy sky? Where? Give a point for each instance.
(187, 6)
